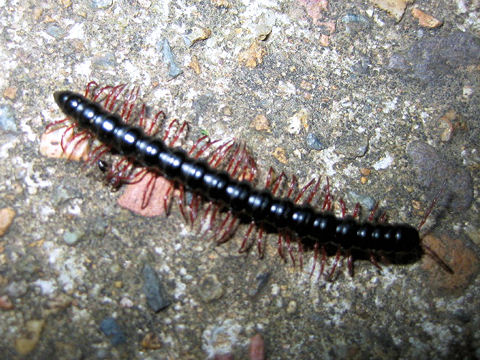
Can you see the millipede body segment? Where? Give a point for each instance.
(310, 227)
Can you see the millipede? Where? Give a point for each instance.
(219, 179)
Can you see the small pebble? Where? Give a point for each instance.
(7, 118)
(72, 237)
(253, 56)
(396, 8)
(367, 202)
(291, 307)
(151, 342)
(10, 93)
(157, 298)
(195, 65)
(298, 121)
(280, 155)
(261, 281)
(210, 288)
(6, 218)
(257, 348)
(260, 123)
(425, 19)
(313, 142)
(104, 61)
(55, 31)
(101, 4)
(6, 303)
(111, 329)
(197, 34)
(25, 345)
(169, 59)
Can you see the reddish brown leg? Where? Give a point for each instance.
(313, 192)
(373, 260)
(76, 139)
(205, 147)
(260, 243)
(90, 89)
(280, 246)
(166, 199)
(178, 133)
(289, 248)
(244, 246)
(147, 194)
(323, 261)
(277, 182)
(292, 187)
(181, 201)
(383, 218)
(230, 229)
(220, 152)
(327, 203)
(334, 266)
(343, 207)
(302, 191)
(371, 217)
(269, 180)
(350, 261)
(96, 94)
(356, 210)
(55, 123)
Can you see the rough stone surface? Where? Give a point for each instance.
(371, 86)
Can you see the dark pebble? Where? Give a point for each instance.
(169, 59)
(261, 282)
(111, 329)
(450, 184)
(157, 298)
(433, 58)
(314, 142)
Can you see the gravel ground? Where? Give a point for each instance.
(385, 105)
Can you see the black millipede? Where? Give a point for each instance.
(229, 188)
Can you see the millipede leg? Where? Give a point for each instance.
(90, 88)
(220, 153)
(269, 178)
(302, 191)
(53, 124)
(327, 203)
(166, 199)
(230, 229)
(334, 266)
(181, 201)
(260, 243)
(356, 210)
(178, 133)
(147, 194)
(373, 260)
(343, 207)
(289, 248)
(280, 246)
(313, 192)
(371, 217)
(244, 246)
(350, 261)
(293, 186)
(323, 261)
